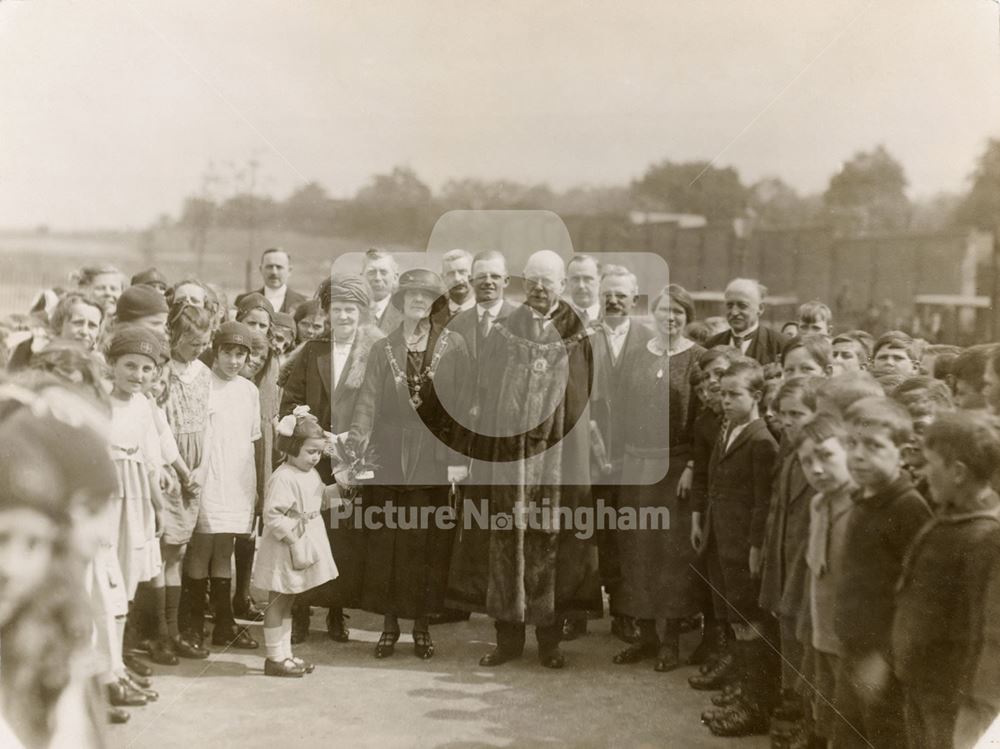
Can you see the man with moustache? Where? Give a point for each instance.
(456, 269)
(275, 268)
(381, 272)
(618, 337)
(583, 283)
(469, 562)
(536, 373)
(744, 306)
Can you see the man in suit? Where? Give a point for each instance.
(583, 282)
(456, 270)
(744, 306)
(617, 339)
(382, 274)
(467, 577)
(275, 268)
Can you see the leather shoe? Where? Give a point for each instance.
(729, 696)
(336, 628)
(423, 645)
(247, 611)
(305, 665)
(117, 715)
(386, 645)
(151, 695)
(497, 657)
(161, 652)
(720, 675)
(237, 638)
(552, 659)
(625, 629)
(742, 719)
(187, 648)
(122, 695)
(132, 663)
(635, 653)
(286, 667)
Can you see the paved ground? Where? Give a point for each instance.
(352, 700)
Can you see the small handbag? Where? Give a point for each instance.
(304, 552)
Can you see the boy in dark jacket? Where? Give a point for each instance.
(937, 630)
(887, 514)
(739, 489)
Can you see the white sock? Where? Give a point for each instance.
(286, 637)
(273, 643)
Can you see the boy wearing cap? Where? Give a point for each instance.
(228, 477)
(144, 306)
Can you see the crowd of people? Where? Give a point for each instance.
(176, 468)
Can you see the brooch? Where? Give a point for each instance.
(539, 366)
(659, 374)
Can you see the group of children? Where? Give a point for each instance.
(190, 396)
(845, 507)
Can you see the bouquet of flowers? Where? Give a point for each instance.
(358, 462)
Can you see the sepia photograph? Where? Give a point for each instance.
(456, 375)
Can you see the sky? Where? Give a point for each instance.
(112, 110)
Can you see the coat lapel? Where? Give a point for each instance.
(749, 431)
(324, 363)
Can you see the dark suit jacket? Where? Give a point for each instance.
(292, 299)
(606, 406)
(765, 346)
(390, 319)
(466, 323)
(309, 383)
(787, 537)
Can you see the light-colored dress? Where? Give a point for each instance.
(293, 495)
(228, 474)
(187, 414)
(135, 450)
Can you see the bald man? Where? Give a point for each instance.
(536, 373)
(744, 306)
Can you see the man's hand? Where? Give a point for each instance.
(755, 560)
(684, 484)
(697, 539)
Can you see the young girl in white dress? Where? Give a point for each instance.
(294, 553)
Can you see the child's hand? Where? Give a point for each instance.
(191, 489)
(871, 675)
(755, 561)
(343, 479)
(158, 517)
(167, 483)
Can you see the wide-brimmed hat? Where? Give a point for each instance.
(418, 279)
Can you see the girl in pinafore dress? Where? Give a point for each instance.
(135, 449)
(294, 553)
(186, 407)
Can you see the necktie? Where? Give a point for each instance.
(738, 341)
(484, 324)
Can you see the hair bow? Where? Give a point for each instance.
(286, 426)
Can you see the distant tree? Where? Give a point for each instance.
(935, 213)
(309, 210)
(587, 200)
(692, 187)
(868, 195)
(246, 211)
(477, 194)
(981, 206)
(774, 203)
(395, 206)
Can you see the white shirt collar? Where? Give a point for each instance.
(493, 308)
(621, 331)
(275, 296)
(467, 304)
(745, 335)
(379, 307)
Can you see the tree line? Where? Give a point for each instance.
(866, 195)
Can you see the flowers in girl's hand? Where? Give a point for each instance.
(286, 425)
(359, 465)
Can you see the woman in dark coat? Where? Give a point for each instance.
(326, 374)
(402, 417)
(657, 580)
